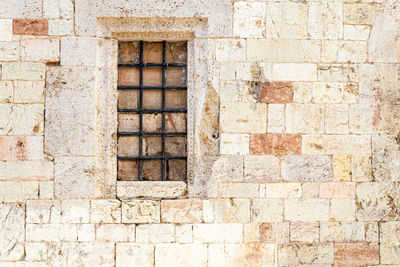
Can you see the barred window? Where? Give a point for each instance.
(152, 111)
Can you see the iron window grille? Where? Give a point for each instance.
(164, 156)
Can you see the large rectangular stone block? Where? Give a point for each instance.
(12, 232)
(21, 148)
(51, 232)
(306, 210)
(180, 255)
(91, 254)
(356, 254)
(182, 211)
(230, 49)
(26, 170)
(18, 191)
(294, 72)
(78, 51)
(274, 50)
(261, 168)
(105, 211)
(337, 144)
(306, 168)
(218, 233)
(267, 210)
(342, 232)
(275, 144)
(9, 51)
(232, 211)
(300, 254)
(304, 118)
(155, 233)
(325, 20)
(134, 254)
(40, 49)
(23, 71)
(249, 19)
(243, 118)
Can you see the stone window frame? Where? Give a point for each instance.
(113, 30)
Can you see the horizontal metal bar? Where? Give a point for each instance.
(152, 87)
(152, 110)
(151, 157)
(152, 65)
(150, 133)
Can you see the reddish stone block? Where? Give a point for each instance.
(182, 211)
(274, 232)
(337, 190)
(30, 26)
(20, 147)
(275, 144)
(276, 92)
(356, 254)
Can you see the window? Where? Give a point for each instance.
(152, 111)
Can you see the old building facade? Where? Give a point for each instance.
(292, 123)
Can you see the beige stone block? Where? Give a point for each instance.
(6, 30)
(385, 158)
(342, 210)
(105, 211)
(26, 170)
(51, 232)
(274, 50)
(180, 255)
(304, 118)
(333, 92)
(372, 232)
(78, 51)
(21, 119)
(356, 32)
(184, 233)
(9, 51)
(75, 211)
(389, 243)
(23, 71)
(6, 91)
(330, 49)
(238, 91)
(304, 232)
(302, 92)
(276, 118)
(337, 190)
(28, 91)
(227, 71)
(237, 255)
(342, 232)
(18, 191)
(86, 232)
(314, 255)
(352, 51)
(134, 254)
(36, 251)
(141, 211)
(261, 168)
(234, 144)
(251, 233)
(218, 233)
(330, 72)
(55, 9)
(377, 201)
(337, 119)
(91, 254)
(115, 233)
(337, 144)
(58, 253)
(232, 211)
(243, 118)
(230, 49)
(153, 189)
(244, 190)
(359, 13)
(286, 20)
(61, 27)
(294, 72)
(181, 211)
(228, 168)
(361, 168)
(74, 177)
(249, 19)
(40, 49)
(283, 190)
(250, 72)
(311, 50)
(155, 233)
(342, 168)
(46, 189)
(43, 211)
(310, 190)
(12, 232)
(325, 20)
(267, 210)
(208, 211)
(306, 210)
(306, 168)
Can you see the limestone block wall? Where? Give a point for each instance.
(294, 138)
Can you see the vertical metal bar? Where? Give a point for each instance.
(141, 111)
(163, 113)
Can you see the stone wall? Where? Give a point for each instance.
(294, 137)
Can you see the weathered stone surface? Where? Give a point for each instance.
(141, 211)
(68, 94)
(36, 251)
(9, 51)
(337, 190)
(342, 210)
(245, 190)
(342, 232)
(335, 92)
(155, 233)
(390, 243)
(40, 49)
(55, 9)
(385, 158)
(304, 118)
(86, 232)
(230, 50)
(78, 51)
(18, 191)
(249, 19)
(243, 118)
(96, 254)
(229, 168)
(180, 255)
(356, 32)
(377, 201)
(234, 144)
(306, 168)
(307, 210)
(26, 170)
(337, 144)
(73, 177)
(261, 168)
(292, 255)
(23, 71)
(43, 211)
(6, 91)
(30, 26)
(61, 27)
(134, 254)
(237, 255)
(275, 144)
(356, 254)
(304, 232)
(232, 211)
(276, 118)
(115, 233)
(359, 13)
(21, 119)
(22, 148)
(12, 232)
(105, 211)
(274, 50)
(342, 168)
(283, 190)
(75, 211)
(51, 232)
(325, 20)
(294, 72)
(29, 91)
(153, 189)
(276, 92)
(218, 233)
(181, 211)
(267, 210)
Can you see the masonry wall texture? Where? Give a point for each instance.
(294, 135)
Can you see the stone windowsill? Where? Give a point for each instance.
(127, 190)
